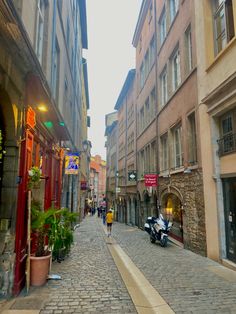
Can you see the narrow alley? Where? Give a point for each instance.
(91, 283)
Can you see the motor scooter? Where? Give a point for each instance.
(158, 229)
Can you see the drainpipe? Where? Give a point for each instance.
(53, 37)
(157, 130)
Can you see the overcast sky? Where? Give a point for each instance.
(110, 55)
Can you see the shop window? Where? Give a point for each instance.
(223, 23)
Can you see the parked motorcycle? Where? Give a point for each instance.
(158, 229)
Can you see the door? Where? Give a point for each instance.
(229, 192)
(21, 222)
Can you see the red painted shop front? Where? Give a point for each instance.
(38, 148)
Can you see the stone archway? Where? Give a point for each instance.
(172, 208)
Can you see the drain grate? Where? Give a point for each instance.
(27, 304)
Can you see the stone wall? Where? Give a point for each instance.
(190, 187)
(7, 260)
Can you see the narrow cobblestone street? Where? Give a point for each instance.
(91, 282)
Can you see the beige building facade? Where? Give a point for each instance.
(216, 26)
(179, 160)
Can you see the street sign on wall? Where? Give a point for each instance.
(132, 175)
(150, 179)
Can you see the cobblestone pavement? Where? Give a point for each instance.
(187, 282)
(90, 281)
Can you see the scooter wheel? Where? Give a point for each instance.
(152, 240)
(163, 242)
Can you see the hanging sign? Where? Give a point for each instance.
(30, 117)
(83, 185)
(72, 163)
(132, 176)
(150, 179)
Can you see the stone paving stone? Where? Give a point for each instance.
(181, 277)
(90, 281)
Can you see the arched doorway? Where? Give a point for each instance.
(172, 206)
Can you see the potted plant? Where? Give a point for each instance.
(40, 229)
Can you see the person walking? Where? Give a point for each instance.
(109, 219)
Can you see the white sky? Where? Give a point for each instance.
(110, 55)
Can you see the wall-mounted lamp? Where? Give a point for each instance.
(42, 108)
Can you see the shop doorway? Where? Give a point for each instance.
(173, 212)
(229, 192)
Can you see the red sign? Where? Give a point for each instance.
(150, 179)
(83, 185)
(30, 118)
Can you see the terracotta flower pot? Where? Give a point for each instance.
(39, 270)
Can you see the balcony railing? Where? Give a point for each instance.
(227, 144)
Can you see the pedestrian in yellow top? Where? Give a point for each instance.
(109, 219)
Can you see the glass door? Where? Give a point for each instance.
(229, 191)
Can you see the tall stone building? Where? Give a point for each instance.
(97, 181)
(179, 160)
(111, 145)
(126, 150)
(144, 41)
(216, 51)
(167, 141)
(41, 86)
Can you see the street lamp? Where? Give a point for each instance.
(85, 145)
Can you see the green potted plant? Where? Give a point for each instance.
(40, 229)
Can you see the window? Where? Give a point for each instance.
(147, 112)
(174, 5)
(146, 65)
(141, 76)
(188, 49)
(152, 51)
(68, 32)
(150, 13)
(164, 88)
(223, 23)
(40, 29)
(176, 71)
(153, 157)
(192, 140)
(177, 147)
(153, 103)
(162, 24)
(227, 132)
(164, 153)
(55, 71)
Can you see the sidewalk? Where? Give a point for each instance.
(91, 283)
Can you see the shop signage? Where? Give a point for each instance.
(132, 176)
(83, 185)
(31, 118)
(150, 179)
(72, 163)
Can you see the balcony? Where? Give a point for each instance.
(227, 144)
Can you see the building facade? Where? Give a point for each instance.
(144, 41)
(40, 103)
(167, 144)
(97, 181)
(111, 134)
(216, 26)
(179, 160)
